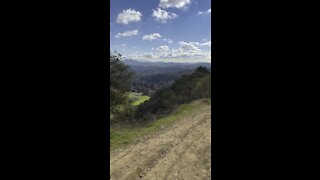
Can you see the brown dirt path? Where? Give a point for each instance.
(182, 151)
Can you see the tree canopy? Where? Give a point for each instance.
(120, 82)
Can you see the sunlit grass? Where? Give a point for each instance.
(137, 98)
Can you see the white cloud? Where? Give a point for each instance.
(163, 48)
(151, 37)
(168, 40)
(127, 33)
(188, 46)
(201, 44)
(162, 51)
(129, 15)
(162, 16)
(204, 12)
(206, 43)
(186, 52)
(174, 3)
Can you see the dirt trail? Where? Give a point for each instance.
(182, 151)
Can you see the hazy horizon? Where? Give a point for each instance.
(164, 61)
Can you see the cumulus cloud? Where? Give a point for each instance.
(129, 15)
(162, 16)
(151, 37)
(204, 12)
(174, 3)
(167, 40)
(187, 51)
(188, 46)
(127, 33)
(162, 51)
(163, 48)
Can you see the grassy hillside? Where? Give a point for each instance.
(123, 136)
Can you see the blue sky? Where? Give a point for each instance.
(161, 30)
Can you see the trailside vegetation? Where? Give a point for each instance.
(120, 83)
(184, 90)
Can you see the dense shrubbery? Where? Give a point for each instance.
(184, 90)
(120, 82)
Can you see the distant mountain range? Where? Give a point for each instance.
(149, 68)
(151, 76)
